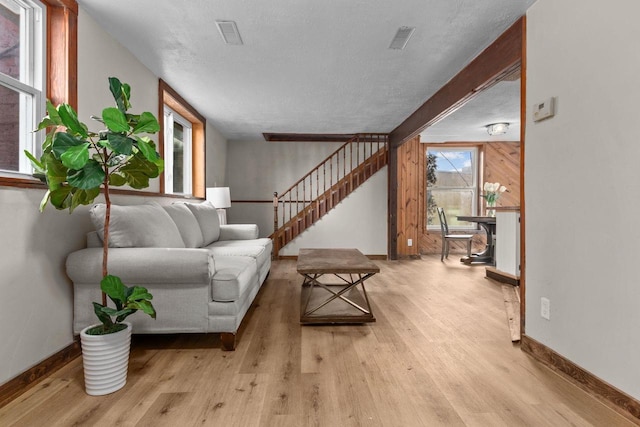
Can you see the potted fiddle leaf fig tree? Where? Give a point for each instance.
(77, 165)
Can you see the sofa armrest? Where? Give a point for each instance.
(238, 232)
(140, 266)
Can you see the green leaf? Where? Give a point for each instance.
(147, 150)
(45, 123)
(115, 120)
(102, 316)
(35, 162)
(83, 197)
(53, 113)
(115, 289)
(120, 143)
(90, 176)
(138, 293)
(147, 124)
(56, 171)
(61, 197)
(123, 314)
(116, 90)
(45, 200)
(110, 311)
(62, 141)
(76, 157)
(145, 306)
(138, 171)
(69, 119)
(126, 95)
(117, 180)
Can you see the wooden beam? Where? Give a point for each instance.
(308, 137)
(497, 61)
(62, 52)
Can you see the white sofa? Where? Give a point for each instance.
(203, 276)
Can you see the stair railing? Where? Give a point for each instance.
(322, 181)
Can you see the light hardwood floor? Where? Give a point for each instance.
(440, 354)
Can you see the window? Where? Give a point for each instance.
(452, 185)
(22, 77)
(177, 153)
(182, 141)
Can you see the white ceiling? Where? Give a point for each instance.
(306, 66)
(498, 104)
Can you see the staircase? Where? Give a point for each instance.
(319, 191)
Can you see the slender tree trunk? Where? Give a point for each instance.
(107, 218)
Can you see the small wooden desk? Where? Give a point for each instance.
(343, 301)
(487, 256)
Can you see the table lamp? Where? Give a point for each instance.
(220, 197)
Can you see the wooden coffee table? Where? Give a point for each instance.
(342, 300)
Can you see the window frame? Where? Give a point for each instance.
(170, 118)
(167, 96)
(61, 70)
(31, 85)
(475, 188)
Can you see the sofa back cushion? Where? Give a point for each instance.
(187, 224)
(207, 217)
(137, 226)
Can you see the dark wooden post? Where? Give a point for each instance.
(276, 235)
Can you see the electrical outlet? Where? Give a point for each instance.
(409, 242)
(545, 308)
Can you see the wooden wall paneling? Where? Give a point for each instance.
(502, 164)
(408, 197)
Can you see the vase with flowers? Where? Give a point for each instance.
(492, 191)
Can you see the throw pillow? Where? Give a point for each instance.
(187, 224)
(207, 217)
(137, 226)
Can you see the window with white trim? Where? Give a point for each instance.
(178, 145)
(456, 185)
(22, 81)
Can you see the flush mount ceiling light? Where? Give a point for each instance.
(229, 32)
(402, 37)
(497, 128)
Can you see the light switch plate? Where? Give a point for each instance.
(544, 109)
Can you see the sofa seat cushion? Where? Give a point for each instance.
(234, 274)
(187, 224)
(265, 242)
(258, 253)
(208, 219)
(137, 226)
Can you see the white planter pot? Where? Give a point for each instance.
(106, 360)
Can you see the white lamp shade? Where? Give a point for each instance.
(219, 196)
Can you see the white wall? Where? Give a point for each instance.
(359, 221)
(255, 169)
(582, 185)
(216, 157)
(36, 305)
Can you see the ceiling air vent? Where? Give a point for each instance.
(402, 37)
(229, 32)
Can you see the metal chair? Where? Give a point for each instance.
(446, 236)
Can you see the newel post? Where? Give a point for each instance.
(276, 236)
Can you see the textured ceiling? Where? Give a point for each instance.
(498, 104)
(306, 66)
